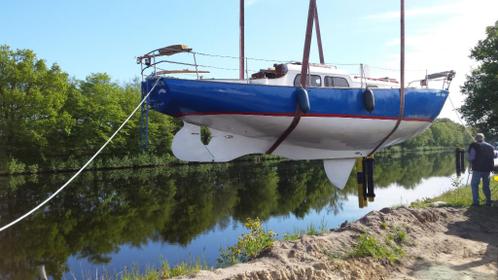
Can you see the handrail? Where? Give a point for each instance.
(445, 76)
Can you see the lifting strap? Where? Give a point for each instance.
(312, 13)
(402, 80)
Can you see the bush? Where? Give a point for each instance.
(249, 245)
(141, 160)
(14, 166)
(33, 169)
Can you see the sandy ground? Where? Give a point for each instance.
(442, 243)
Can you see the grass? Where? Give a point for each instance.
(383, 225)
(369, 246)
(293, 236)
(165, 272)
(398, 235)
(390, 249)
(461, 196)
(311, 229)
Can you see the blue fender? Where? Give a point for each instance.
(302, 99)
(369, 100)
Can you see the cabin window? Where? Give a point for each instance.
(313, 81)
(335, 82)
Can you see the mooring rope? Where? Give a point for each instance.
(84, 166)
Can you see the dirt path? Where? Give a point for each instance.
(442, 243)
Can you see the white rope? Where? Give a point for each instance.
(82, 168)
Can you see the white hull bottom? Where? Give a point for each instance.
(336, 140)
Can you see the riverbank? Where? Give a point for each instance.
(144, 160)
(421, 242)
(13, 166)
(437, 243)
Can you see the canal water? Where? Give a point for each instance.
(108, 221)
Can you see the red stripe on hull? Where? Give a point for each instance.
(307, 115)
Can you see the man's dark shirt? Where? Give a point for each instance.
(483, 159)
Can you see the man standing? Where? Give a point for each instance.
(481, 157)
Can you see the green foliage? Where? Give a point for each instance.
(383, 225)
(14, 166)
(33, 169)
(460, 196)
(397, 235)
(311, 229)
(164, 272)
(32, 97)
(249, 245)
(181, 269)
(295, 235)
(369, 246)
(442, 133)
(46, 116)
(134, 274)
(480, 107)
(314, 230)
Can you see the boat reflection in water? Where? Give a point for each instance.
(113, 219)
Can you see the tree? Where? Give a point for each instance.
(46, 116)
(31, 98)
(481, 88)
(442, 133)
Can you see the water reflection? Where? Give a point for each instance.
(104, 211)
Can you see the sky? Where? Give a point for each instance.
(91, 36)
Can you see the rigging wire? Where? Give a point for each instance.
(293, 61)
(197, 65)
(84, 166)
(236, 57)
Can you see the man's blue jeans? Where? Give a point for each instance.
(474, 183)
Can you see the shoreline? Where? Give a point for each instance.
(150, 161)
(446, 241)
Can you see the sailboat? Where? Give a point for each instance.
(299, 111)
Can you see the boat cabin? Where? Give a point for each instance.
(320, 76)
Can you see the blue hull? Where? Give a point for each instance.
(178, 98)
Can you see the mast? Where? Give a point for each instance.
(241, 41)
(402, 49)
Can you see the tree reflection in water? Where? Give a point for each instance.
(102, 211)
